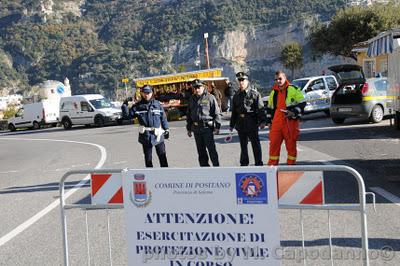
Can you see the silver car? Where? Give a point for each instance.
(357, 96)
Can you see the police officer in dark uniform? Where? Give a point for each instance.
(203, 119)
(153, 126)
(248, 114)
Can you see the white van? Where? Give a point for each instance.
(87, 110)
(35, 115)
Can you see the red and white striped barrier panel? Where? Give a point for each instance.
(293, 188)
(107, 189)
(300, 188)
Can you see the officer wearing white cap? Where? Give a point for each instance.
(248, 114)
(153, 126)
(203, 119)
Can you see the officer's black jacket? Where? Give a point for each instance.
(248, 110)
(150, 114)
(202, 109)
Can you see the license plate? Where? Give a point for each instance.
(345, 109)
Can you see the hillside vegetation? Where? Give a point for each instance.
(109, 40)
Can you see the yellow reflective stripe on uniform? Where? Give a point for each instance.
(291, 158)
(271, 99)
(371, 98)
(292, 93)
(274, 157)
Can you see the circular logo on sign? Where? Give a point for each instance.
(60, 89)
(251, 185)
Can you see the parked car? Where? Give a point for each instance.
(35, 115)
(317, 92)
(87, 110)
(357, 96)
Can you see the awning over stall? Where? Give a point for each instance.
(383, 43)
(179, 77)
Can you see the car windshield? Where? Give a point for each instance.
(100, 103)
(300, 83)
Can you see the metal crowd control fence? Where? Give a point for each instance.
(358, 207)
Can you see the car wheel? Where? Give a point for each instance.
(337, 120)
(376, 114)
(327, 112)
(99, 121)
(66, 123)
(11, 127)
(36, 125)
(120, 121)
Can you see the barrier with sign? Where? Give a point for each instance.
(173, 218)
(141, 197)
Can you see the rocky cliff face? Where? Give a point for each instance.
(257, 50)
(54, 10)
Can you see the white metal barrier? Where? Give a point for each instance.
(358, 207)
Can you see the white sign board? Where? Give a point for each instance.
(202, 216)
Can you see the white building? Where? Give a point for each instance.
(366, 2)
(14, 99)
(53, 90)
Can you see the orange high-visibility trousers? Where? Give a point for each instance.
(287, 131)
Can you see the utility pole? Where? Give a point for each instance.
(206, 53)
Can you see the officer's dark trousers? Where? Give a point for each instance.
(161, 153)
(244, 137)
(205, 141)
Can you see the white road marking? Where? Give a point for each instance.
(60, 169)
(387, 195)
(25, 225)
(9, 172)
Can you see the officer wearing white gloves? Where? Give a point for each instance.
(153, 126)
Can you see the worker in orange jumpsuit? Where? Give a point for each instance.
(285, 106)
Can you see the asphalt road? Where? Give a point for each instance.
(32, 163)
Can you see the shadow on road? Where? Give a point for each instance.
(40, 188)
(374, 243)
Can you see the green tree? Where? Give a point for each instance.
(292, 56)
(350, 26)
